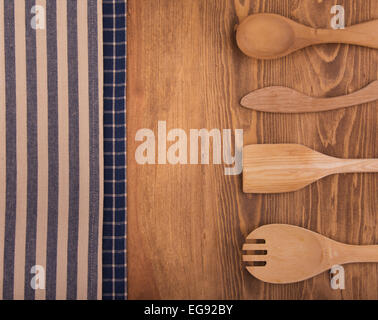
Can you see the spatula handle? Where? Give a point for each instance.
(358, 165)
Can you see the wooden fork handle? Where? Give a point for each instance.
(354, 254)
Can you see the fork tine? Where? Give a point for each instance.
(253, 246)
(255, 258)
(252, 238)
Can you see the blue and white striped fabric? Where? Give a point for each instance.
(51, 152)
(114, 227)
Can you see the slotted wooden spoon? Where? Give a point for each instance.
(270, 36)
(274, 168)
(286, 100)
(281, 253)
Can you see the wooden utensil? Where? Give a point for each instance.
(286, 100)
(273, 168)
(282, 253)
(270, 36)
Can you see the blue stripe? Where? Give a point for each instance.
(53, 191)
(11, 158)
(94, 150)
(32, 149)
(73, 96)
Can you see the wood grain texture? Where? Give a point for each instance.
(187, 223)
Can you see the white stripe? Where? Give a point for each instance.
(22, 154)
(83, 83)
(42, 98)
(61, 274)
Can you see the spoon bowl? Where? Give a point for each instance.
(265, 36)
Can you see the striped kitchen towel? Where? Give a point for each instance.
(51, 158)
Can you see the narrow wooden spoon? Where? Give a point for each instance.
(275, 168)
(286, 100)
(270, 36)
(282, 253)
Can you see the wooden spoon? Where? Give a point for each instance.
(273, 168)
(270, 36)
(286, 100)
(284, 253)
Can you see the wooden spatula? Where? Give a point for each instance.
(270, 36)
(281, 253)
(274, 168)
(286, 100)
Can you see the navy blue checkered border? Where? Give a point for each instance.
(115, 224)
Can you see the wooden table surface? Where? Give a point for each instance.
(187, 223)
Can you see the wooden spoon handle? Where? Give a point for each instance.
(357, 165)
(363, 34)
